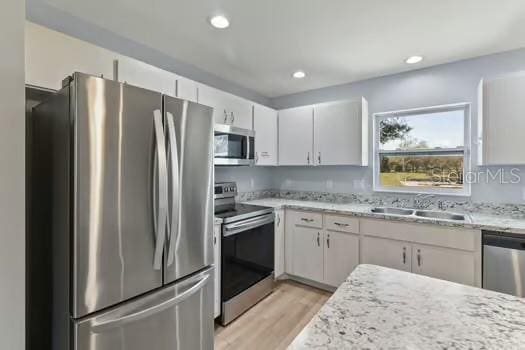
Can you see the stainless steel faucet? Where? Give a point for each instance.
(418, 203)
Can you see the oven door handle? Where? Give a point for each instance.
(245, 225)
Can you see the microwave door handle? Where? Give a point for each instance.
(161, 214)
(175, 183)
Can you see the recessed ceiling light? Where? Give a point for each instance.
(414, 59)
(219, 22)
(299, 74)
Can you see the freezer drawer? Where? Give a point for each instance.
(504, 263)
(179, 316)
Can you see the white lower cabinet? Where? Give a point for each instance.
(319, 254)
(279, 244)
(341, 256)
(444, 263)
(217, 272)
(307, 259)
(386, 252)
(325, 248)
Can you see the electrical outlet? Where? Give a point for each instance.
(252, 183)
(329, 184)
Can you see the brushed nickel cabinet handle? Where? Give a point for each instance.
(341, 225)
(319, 157)
(308, 158)
(318, 239)
(419, 257)
(328, 242)
(307, 220)
(404, 255)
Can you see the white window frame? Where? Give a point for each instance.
(466, 190)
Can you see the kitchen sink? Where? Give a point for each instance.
(392, 211)
(439, 215)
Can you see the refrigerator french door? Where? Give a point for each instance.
(129, 212)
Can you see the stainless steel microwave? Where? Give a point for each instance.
(234, 146)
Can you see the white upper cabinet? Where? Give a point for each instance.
(501, 121)
(227, 108)
(265, 126)
(186, 89)
(296, 136)
(144, 75)
(341, 133)
(51, 56)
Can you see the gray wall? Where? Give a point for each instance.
(12, 178)
(444, 84)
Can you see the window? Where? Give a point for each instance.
(423, 150)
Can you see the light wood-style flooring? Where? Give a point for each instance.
(275, 321)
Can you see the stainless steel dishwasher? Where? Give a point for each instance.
(504, 262)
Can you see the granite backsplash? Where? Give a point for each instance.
(392, 200)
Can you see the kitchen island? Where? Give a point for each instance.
(381, 308)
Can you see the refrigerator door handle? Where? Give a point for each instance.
(162, 211)
(175, 194)
(102, 326)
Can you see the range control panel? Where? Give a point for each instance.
(225, 189)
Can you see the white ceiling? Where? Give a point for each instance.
(334, 41)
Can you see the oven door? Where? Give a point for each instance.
(234, 146)
(247, 254)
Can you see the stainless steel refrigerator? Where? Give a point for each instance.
(121, 212)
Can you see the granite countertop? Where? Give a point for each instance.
(381, 308)
(474, 220)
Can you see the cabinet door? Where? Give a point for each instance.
(217, 100)
(186, 89)
(51, 56)
(279, 243)
(240, 111)
(386, 252)
(265, 126)
(341, 256)
(217, 270)
(502, 121)
(307, 253)
(339, 135)
(444, 263)
(296, 136)
(146, 76)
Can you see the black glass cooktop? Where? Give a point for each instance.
(240, 211)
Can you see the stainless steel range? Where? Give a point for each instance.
(247, 252)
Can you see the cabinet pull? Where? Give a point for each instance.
(308, 158)
(225, 117)
(307, 220)
(256, 157)
(319, 157)
(328, 242)
(404, 255)
(215, 240)
(278, 219)
(233, 117)
(418, 257)
(318, 239)
(341, 225)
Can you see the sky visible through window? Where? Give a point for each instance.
(443, 130)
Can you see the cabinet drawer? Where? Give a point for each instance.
(308, 219)
(342, 223)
